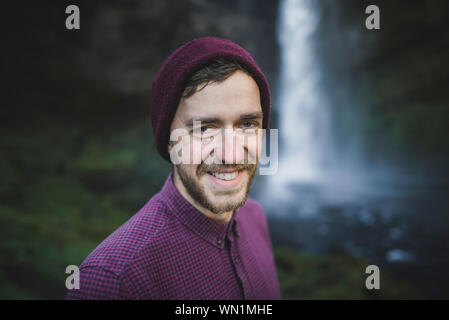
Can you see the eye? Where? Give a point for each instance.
(209, 130)
(205, 128)
(249, 125)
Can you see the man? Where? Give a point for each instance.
(201, 236)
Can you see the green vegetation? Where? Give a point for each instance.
(334, 276)
(57, 208)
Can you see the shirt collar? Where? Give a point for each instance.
(211, 230)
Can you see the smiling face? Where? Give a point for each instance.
(230, 141)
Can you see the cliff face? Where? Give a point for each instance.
(128, 42)
(122, 44)
(389, 84)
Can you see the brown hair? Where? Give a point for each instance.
(217, 71)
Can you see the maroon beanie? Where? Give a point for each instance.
(172, 77)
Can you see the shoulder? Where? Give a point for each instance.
(115, 269)
(253, 208)
(253, 211)
(121, 247)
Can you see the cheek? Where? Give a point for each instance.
(207, 148)
(198, 150)
(254, 146)
(189, 152)
(192, 168)
(189, 170)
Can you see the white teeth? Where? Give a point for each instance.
(225, 176)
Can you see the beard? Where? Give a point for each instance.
(235, 199)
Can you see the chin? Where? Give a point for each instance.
(226, 200)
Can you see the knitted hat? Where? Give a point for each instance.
(169, 83)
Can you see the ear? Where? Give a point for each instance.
(168, 148)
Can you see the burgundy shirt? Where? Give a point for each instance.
(170, 250)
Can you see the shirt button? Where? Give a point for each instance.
(219, 241)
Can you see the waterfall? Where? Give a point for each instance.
(304, 125)
(313, 170)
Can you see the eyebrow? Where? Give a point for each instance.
(189, 123)
(254, 115)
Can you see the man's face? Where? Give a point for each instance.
(229, 138)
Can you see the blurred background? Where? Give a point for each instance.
(363, 121)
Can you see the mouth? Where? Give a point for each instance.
(226, 179)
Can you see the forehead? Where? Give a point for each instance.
(227, 100)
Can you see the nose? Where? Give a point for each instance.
(231, 149)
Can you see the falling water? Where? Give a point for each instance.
(313, 170)
(304, 124)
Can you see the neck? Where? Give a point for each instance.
(221, 217)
